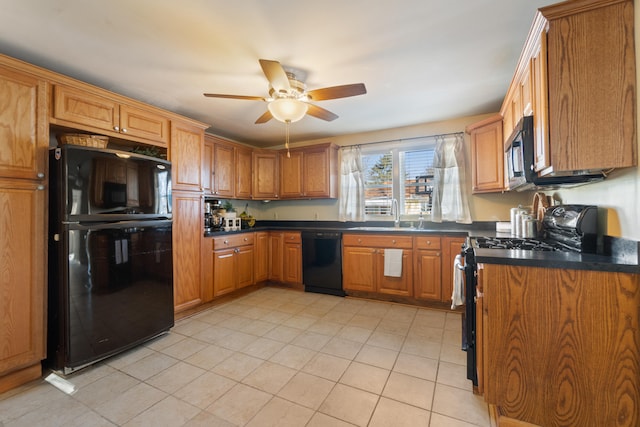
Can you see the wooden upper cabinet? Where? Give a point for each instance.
(487, 155)
(244, 163)
(579, 65)
(320, 171)
(92, 112)
(23, 131)
(592, 85)
(144, 124)
(185, 153)
(540, 99)
(224, 169)
(309, 172)
(207, 165)
(80, 107)
(291, 174)
(265, 175)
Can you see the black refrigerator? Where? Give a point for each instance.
(110, 276)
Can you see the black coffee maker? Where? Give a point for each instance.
(211, 219)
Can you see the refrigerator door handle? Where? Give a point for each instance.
(74, 225)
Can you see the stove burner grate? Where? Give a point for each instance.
(516, 243)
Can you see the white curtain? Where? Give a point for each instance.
(450, 200)
(351, 201)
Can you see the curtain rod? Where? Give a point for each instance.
(403, 139)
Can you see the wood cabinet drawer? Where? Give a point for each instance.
(233, 241)
(377, 241)
(428, 242)
(292, 237)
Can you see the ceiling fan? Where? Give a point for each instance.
(288, 98)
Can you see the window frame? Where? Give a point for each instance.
(397, 187)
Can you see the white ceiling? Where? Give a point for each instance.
(421, 60)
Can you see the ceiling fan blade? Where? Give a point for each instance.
(335, 92)
(276, 75)
(219, 95)
(264, 118)
(321, 113)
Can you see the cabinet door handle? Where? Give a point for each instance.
(116, 128)
(40, 175)
(40, 187)
(236, 250)
(124, 130)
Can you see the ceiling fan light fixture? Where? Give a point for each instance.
(287, 109)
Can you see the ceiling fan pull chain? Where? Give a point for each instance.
(286, 136)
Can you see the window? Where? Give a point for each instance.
(404, 173)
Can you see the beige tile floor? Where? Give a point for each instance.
(275, 357)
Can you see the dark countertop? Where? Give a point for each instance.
(624, 253)
(565, 260)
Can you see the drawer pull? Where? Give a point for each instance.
(393, 241)
(226, 242)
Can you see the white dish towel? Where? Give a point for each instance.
(393, 262)
(457, 297)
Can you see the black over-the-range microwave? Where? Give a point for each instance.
(520, 166)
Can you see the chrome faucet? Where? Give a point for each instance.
(421, 221)
(395, 212)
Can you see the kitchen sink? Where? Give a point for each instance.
(374, 228)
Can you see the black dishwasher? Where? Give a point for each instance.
(322, 262)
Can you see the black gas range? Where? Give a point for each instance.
(571, 228)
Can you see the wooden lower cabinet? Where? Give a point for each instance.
(560, 347)
(363, 264)
(187, 232)
(358, 269)
(285, 257)
(276, 256)
(22, 282)
(427, 265)
(451, 246)
(392, 285)
(428, 262)
(261, 256)
(233, 262)
(292, 254)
